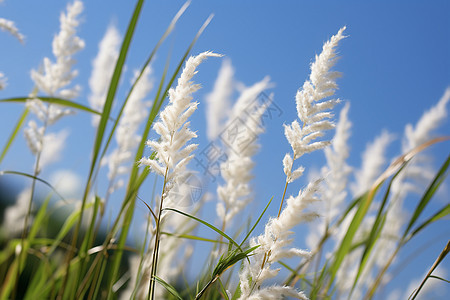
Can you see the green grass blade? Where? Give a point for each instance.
(443, 212)
(376, 230)
(344, 248)
(193, 237)
(223, 290)
(256, 223)
(206, 224)
(14, 133)
(133, 184)
(168, 287)
(147, 62)
(58, 101)
(230, 258)
(102, 128)
(69, 223)
(440, 258)
(438, 179)
(39, 280)
(439, 278)
(35, 178)
(39, 219)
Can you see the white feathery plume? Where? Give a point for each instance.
(58, 75)
(240, 139)
(103, 69)
(373, 161)
(34, 136)
(218, 101)
(127, 136)
(312, 107)
(336, 174)
(172, 153)
(10, 27)
(429, 121)
(54, 78)
(276, 293)
(415, 136)
(273, 242)
(47, 114)
(248, 96)
(3, 81)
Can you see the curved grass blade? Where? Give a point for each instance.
(435, 265)
(256, 223)
(367, 200)
(206, 224)
(147, 62)
(226, 261)
(101, 132)
(52, 100)
(14, 133)
(445, 211)
(168, 287)
(438, 179)
(192, 237)
(35, 178)
(376, 230)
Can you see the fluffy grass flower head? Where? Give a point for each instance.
(172, 153)
(313, 108)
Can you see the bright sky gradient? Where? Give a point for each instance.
(395, 64)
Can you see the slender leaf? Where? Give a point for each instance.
(438, 179)
(14, 133)
(445, 211)
(207, 224)
(256, 223)
(147, 62)
(35, 178)
(58, 101)
(168, 287)
(193, 237)
(376, 230)
(440, 258)
(439, 278)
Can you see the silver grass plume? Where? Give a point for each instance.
(312, 108)
(10, 27)
(52, 80)
(336, 174)
(273, 245)
(236, 170)
(172, 150)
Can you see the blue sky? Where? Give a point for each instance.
(395, 64)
